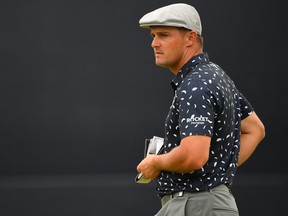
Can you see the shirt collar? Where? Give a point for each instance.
(195, 60)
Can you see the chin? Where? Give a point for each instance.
(160, 64)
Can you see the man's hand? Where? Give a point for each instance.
(147, 167)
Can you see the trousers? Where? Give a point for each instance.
(218, 201)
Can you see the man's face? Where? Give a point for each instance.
(169, 46)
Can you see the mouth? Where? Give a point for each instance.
(158, 53)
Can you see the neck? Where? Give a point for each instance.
(175, 70)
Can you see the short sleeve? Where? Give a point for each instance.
(245, 106)
(196, 112)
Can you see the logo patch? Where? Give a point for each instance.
(197, 119)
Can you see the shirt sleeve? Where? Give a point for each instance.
(196, 110)
(245, 106)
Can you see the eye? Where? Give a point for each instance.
(163, 35)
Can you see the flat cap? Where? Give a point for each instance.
(174, 15)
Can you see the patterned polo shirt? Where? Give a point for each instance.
(206, 102)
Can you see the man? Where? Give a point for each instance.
(211, 128)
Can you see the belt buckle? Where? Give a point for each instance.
(177, 194)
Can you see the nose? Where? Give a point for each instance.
(154, 43)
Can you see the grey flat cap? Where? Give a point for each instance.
(174, 15)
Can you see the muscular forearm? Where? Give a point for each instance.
(179, 160)
(247, 147)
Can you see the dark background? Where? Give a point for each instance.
(80, 92)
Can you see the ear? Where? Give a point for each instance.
(191, 38)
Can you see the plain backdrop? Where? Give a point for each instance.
(80, 91)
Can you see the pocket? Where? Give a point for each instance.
(224, 204)
(174, 207)
(177, 207)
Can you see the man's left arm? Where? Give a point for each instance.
(252, 132)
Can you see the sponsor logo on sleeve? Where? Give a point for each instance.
(197, 119)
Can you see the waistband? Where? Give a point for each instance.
(166, 198)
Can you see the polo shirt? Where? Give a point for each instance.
(206, 102)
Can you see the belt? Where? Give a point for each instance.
(166, 198)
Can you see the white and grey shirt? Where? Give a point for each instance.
(206, 102)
